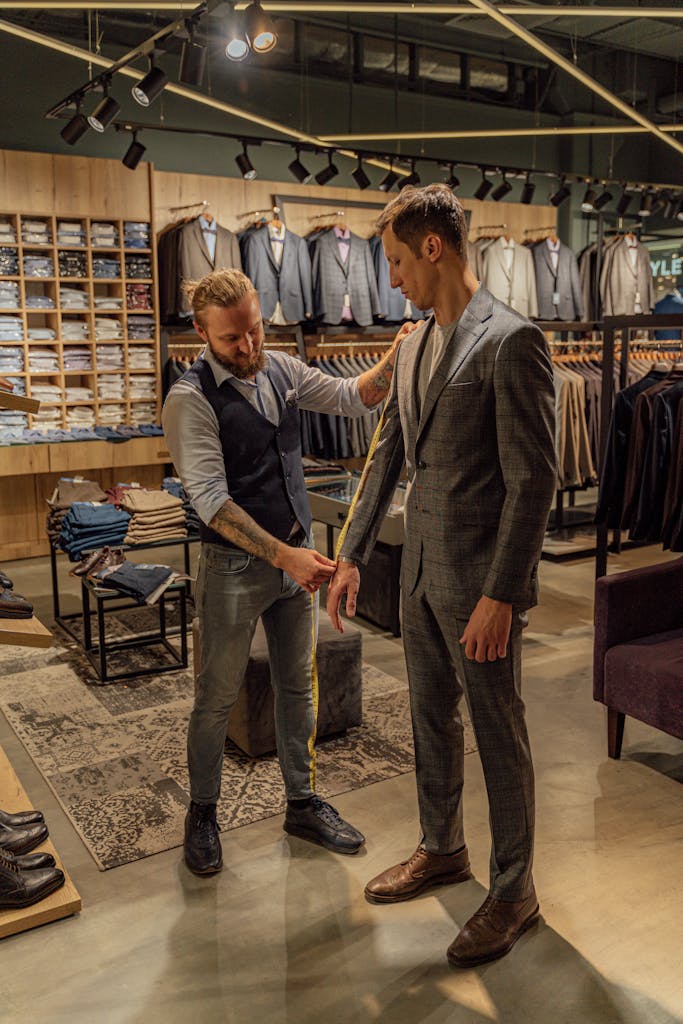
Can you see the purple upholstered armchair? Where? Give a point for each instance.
(638, 653)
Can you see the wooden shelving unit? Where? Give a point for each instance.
(93, 287)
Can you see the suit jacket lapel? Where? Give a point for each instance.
(408, 400)
(199, 238)
(471, 326)
(265, 241)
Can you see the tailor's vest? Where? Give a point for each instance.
(263, 463)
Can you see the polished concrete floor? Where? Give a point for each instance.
(284, 934)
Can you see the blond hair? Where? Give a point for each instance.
(224, 287)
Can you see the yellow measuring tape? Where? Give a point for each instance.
(315, 688)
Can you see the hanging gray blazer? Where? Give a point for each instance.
(567, 283)
(194, 261)
(620, 283)
(290, 283)
(332, 279)
(517, 288)
(480, 458)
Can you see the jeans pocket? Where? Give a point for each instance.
(227, 563)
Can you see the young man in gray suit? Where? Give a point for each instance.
(471, 413)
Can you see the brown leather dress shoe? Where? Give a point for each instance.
(421, 871)
(492, 931)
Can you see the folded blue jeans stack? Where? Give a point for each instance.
(141, 581)
(88, 525)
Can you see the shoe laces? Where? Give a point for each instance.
(8, 861)
(329, 814)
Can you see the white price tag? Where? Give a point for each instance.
(347, 300)
(638, 302)
(556, 298)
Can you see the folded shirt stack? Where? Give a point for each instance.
(75, 330)
(11, 328)
(110, 386)
(136, 234)
(142, 386)
(42, 360)
(108, 302)
(106, 268)
(71, 232)
(80, 416)
(9, 261)
(141, 413)
(68, 490)
(108, 328)
(112, 414)
(11, 420)
(104, 235)
(40, 302)
(73, 298)
(89, 525)
(8, 233)
(38, 266)
(109, 357)
(141, 357)
(72, 264)
(156, 515)
(11, 360)
(138, 266)
(36, 232)
(138, 296)
(140, 328)
(76, 357)
(173, 485)
(41, 334)
(49, 394)
(9, 294)
(75, 393)
(48, 417)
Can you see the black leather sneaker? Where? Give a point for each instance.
(202, 847)
(22, 888)
(321, 823)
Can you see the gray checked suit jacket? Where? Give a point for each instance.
(480, 458)
(290, 282)
(568, 284)
(332, 279)
(194, 260)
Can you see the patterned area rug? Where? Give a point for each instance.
(115, 755)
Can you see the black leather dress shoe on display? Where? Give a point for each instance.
(13, 606)
(202, 847)
(321, 823)
(30, 861)
(22, 888)
(5, 582)
(21, 818)
(22, 840)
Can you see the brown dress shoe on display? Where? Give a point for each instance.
(492, 931)
(421, 871)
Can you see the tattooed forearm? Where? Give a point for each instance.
(373, 385)
(236, 526)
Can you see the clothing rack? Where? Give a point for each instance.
(613, 325)
(330, 213)
(533, 231)
(275, 210)
(491, 227)
(190, 206)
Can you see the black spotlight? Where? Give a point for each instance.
(624, 202)
(327, 173)
(389, 180)
(299, 171)
(562, 193)
(413, 178)
(75, 129)
(670, 205)
(247, 169)
(359, 176)
(528, 189)
(133, 154)
(645, 204)
(500, 191)
(484, 186)
(602, 200)
(147, 90)
(588, 201)
(105, 112)
(260, 29)
(452, 180)
(192, 62)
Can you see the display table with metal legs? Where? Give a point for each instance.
(111, 601)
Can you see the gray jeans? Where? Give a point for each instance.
(234, 590)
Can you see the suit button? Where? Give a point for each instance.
(421, 464)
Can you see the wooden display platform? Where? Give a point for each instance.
(8, 400)
(59, 904)
(25, 632)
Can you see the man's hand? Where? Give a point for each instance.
(7, 385)
(306, 566)
(488, 631)
(346, 580)
(374, 384)
(407, 328)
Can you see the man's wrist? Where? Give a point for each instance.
(349, 561)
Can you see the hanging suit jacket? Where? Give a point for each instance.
(620, 283)
(290, 283)
(480, 459)
(566, 282)
(194, 259)
(392, 303)
(332, 279)
(517, 287)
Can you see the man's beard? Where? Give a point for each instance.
(241, 370)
